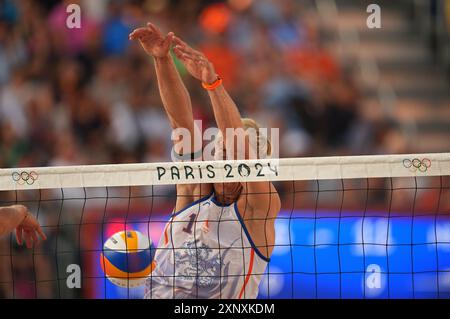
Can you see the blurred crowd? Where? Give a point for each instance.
(89, 95)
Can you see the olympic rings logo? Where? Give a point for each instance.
(25, 177)
(417, 164)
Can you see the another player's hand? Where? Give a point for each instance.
(28, 229)
(195, 62)
(152, 40)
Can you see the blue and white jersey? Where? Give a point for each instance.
(205, 251)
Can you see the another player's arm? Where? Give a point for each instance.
(262, 197)
(175, 99)
(17, 217)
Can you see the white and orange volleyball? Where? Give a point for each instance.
(127, 258)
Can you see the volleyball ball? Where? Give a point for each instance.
(127, 258)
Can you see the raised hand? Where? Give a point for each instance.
(195, 62)
(153, 40)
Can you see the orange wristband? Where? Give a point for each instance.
(213, 85)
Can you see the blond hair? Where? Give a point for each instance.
(262, 142)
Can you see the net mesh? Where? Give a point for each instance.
(349, 227)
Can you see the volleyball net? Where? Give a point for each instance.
(349, 227)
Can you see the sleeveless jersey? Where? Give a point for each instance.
(206, 251)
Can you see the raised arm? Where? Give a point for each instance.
(225, 111)
(261, 196)
(177, 105)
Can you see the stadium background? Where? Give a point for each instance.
(332, 86)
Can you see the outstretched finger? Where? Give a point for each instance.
(184, 46)
(189, 56)
(140, 32)
(182, 50)
(189, 51)
(19, 236)
(178, 53)
(41, 233)
(179, 42)
(35, 237)
(28, 240)
(153, 28)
